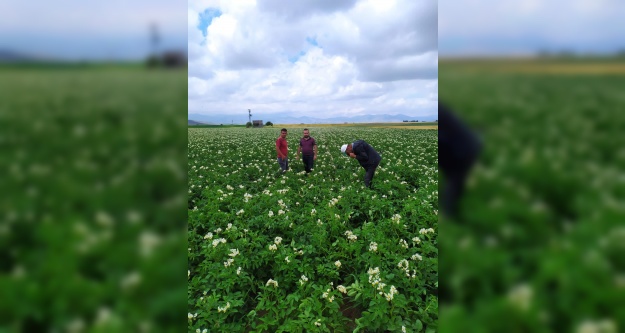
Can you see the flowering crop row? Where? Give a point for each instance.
(316, 253)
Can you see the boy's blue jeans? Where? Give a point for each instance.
(284, 163)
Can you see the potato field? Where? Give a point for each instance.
(272, 252)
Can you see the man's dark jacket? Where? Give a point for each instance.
(365, 154)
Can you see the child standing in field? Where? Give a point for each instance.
(283, 150)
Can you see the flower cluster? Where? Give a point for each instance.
(391, 293)
(327, 296)
(350, 236)
(337, 264)
(376, 281)
(521, 296)
(374, 276)
(223, 309)
(396, 218)
(272, 282)
(373, 247)
(282, 204)
(303, 280)
(424, 231)
(403, 243)
(604, 325)
(404, 265)
(219, 240)
(209, 236)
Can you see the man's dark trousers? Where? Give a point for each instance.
(369, 172)
(309, 162)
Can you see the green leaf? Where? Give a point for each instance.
(418, 325)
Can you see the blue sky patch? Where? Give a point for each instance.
(295, 58)
(206, 18)
(312, 41)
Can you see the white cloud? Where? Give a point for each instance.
(328, 58)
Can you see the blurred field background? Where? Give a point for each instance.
(539, 244)
(93, 163)
(94, 177)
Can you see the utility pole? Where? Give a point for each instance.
(155, 37)
(250, 112)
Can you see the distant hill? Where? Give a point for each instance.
(193, 122)
(12, 56)
(286, 118)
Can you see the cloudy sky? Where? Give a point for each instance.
(97, 30)
(484, 27)
(320, 58)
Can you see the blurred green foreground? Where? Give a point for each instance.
(540, 246)
(92, 211)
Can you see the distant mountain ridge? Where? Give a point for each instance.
(286, 119)
(193, 122)
(12, 56)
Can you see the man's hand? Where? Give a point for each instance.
(315, 157)
(297, 157)
(352, 155)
